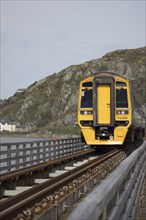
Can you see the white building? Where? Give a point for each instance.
(20, 90)
(7, 127)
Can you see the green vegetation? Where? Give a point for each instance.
(44, 119)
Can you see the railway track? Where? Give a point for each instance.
(75, 179)
(15, 175)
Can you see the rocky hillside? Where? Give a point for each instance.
(50, 104)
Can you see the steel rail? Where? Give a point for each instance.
(41, 166)
(10, 208)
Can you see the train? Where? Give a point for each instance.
(109, 111)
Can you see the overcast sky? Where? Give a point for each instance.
(39, 38)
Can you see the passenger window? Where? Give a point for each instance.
(121, 98)
(86, 98)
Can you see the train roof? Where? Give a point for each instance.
(106, 73)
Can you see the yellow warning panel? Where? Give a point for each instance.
(120, 133)
(103, 104)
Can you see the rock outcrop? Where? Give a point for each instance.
(51, 103)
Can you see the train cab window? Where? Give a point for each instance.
(87, 84)
(120, 84)
(86, 98)
(121, 98)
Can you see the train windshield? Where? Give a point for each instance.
(86, 98)
(121, 98)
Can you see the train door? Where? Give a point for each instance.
(103, 104)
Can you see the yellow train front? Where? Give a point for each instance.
(105, 109)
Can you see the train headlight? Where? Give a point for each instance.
(122, 112)
(86, 112)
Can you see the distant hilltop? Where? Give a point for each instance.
(50, 104)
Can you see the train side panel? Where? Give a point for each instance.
(137, 129)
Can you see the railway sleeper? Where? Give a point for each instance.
(55, 206)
